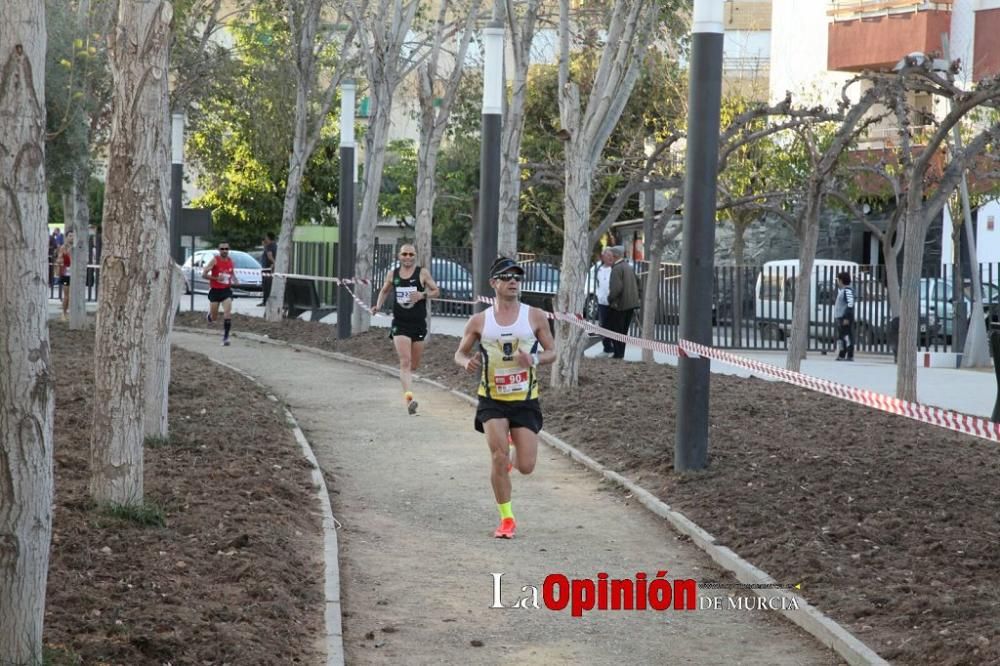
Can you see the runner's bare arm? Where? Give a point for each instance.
(433, 291)
(464, 356)
(540, 324)
(383, 293)
(208, 267)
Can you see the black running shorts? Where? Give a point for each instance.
(219, 295)
(414, 330)
(520, 413)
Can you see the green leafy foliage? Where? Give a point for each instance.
(241, 137)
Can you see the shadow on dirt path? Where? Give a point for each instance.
(413, 495)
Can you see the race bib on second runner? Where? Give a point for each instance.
(225, 278)
(403, 296)
(511, 380)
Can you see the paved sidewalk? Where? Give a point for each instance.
(417, 552)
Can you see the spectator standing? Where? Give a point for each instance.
(623, 298)
(603, 286)
(843, 312)
(267, 260)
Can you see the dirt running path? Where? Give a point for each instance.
(417, 554)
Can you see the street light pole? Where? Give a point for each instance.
(489, 156)
(176, 184)
(698, 249)
(345, 258)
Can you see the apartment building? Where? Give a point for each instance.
(818, 45)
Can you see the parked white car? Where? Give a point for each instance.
(247, 269)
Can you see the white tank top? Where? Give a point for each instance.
(503, 378)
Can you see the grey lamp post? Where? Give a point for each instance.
(345, 258)
(176, 184)
(698, 250)
(489, 156)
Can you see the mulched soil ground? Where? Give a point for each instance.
(232, 576)
(891, 526)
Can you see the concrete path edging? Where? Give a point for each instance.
(331, 566)
(807, 617)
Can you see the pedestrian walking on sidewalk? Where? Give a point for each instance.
(411, 285)
(843, 312)
(513, 340)
(221, 273)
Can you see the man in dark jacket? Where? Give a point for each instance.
(623, 298)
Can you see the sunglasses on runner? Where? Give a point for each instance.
(507, 277)
(223, 249)
(406, 254)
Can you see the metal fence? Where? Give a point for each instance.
(751, 305)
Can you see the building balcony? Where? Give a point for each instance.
(875, 34)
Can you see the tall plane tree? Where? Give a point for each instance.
(133, 256)
(924, 200)
(312, 44)
(383, 30)
(521, 17)
(437, 91)
(585, 129)
(26, 393)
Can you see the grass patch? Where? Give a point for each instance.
(157, 441)
(147, 514)
(59, 655)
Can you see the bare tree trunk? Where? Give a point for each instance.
(426, 195)
(576, 256)
(289, 216)
(304, 18)
(163, 301)
(976, 353)
(909, 297)
(803, 280)
(437, 94)
(80, 256)
(521, 33)
(375, 142)
(26, 389)
(890, 251)
(383, 33)
(135, 212)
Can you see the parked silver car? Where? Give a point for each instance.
(248, 272)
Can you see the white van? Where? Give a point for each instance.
(779, 280)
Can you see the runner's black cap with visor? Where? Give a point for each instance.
(505, 265)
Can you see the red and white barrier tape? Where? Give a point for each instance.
(943, 418)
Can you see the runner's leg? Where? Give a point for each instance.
(227, 322)
(404, 349)
(526, 447)
(496, 439)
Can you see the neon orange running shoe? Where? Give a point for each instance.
(506, 529)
